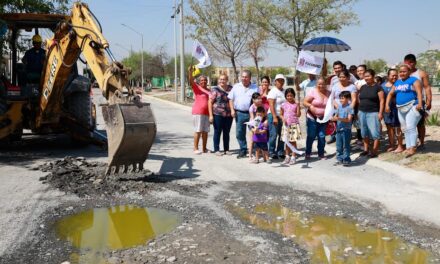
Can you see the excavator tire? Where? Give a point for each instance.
(80, 106)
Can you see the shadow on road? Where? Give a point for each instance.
(176, 168)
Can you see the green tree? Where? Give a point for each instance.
(34, 6)
(291, 23)
(378, 65)
(429, 61)
(223, 26)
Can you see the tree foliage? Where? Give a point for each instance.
(429, 61)
(292, 22)
(378, 65)
(34, 6)
(222, 25)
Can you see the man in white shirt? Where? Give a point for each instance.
(306, 85)
(240, 100)
(276, 98)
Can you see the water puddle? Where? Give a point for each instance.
(104, 229)
(332, 239)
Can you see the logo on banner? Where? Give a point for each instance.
(301, 62)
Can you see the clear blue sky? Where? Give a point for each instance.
(387, 29)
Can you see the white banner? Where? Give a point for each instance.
(201, 54)
(329, 109)
(309, 64)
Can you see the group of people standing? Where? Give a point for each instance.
(267, 119)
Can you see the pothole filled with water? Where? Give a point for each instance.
(104, 229)
(332, 239)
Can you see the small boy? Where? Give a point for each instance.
(344, 117)
(259, 137)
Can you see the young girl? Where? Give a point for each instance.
(259, 137)
(290, 111)
(256, 102)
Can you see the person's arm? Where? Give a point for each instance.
(418, 87)
(231, 105)
(389, 98)
(272, 110)
(381, 104)
(251, 113)
(210, 110)
(428, 89)
(324, 68)
(282, 115)
(353, 99)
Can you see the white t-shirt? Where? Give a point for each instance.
(307, 85)
(360, 83)
(279, 98)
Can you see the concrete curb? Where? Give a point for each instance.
(183, 107)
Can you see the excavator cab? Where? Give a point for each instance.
(61, 103)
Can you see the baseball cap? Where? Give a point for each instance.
(280, 76)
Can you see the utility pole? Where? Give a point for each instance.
(182, 55)
(176, 11)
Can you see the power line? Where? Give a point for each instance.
(161, 34)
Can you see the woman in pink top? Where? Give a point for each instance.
(200, 111)
(315, 103)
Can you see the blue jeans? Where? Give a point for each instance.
(240, 119)
(276, 146)
(223, 125)
(370, 125)
(315, 129)
(408, 122)
(343, 138)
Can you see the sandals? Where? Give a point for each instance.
(363, 153)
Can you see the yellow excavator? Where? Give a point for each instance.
(60, 100)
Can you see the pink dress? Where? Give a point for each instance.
(200, 106)
(289, 111)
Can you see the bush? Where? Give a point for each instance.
(433, 119)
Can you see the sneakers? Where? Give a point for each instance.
(229, 153)
(286, 160)
(218, 153)
(241, 155)
(269, 161)
(337, 163)
(346, 163)
(322, 157)
(197, 152)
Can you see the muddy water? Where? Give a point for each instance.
(332, 239)
(102, 229)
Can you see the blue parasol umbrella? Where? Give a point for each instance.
(325, 44)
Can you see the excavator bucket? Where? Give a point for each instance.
(131, 130)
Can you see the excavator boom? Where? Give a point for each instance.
(130, 124)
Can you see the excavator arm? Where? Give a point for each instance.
(130, 124)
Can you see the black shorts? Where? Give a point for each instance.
(261, 145)
(423, 113)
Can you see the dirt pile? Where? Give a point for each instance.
(84, 178)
